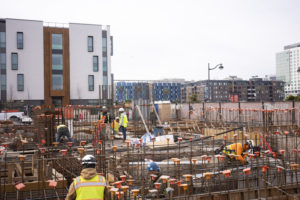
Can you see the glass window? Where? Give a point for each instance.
(104, 64)
(90, 44)
(56, 41)
(20, 40)
(2, 40)
(105, 81)
(91, 82)
(14, 61)
(3, 60)
(57, 82)
(104, 44)
(20, 82)
(95, 64)
(3, 81)
(57, 61)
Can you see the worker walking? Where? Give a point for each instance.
(123, 123)
(89, 185)
(237, 149)
(62, 130)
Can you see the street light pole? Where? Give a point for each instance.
(220, 66)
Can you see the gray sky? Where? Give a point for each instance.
(157, 39)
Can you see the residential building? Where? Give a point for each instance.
(49, 63)
(254, 89)
(288, 67)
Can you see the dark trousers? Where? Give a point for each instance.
(123, 130)
(63, 131)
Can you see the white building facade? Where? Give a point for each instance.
(44, 63)
(288, 68)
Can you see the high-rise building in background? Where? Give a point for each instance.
(54, 63)
(288, 67)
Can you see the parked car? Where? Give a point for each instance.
(18, 117)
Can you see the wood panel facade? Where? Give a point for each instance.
(49, 93)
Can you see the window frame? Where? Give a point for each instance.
(20, 47)
(14, 66)
(3, 43)
(92, 47)
(97, 64)
(22, 86)
(93, 86)
(3, 62)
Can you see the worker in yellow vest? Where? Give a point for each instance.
(115, 125)
(123, 123)
(89, 185)
(62, 130)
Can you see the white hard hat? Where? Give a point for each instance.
(88, 159)
(121, 110)
(117, 117)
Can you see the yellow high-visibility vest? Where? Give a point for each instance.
(115, 125)
(90, 189)
(125, 120)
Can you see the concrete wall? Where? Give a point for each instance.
(81, 61)
(244, 112)
(30, 59)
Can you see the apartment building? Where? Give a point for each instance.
(50, 63)
(254, 89)
(288, 68)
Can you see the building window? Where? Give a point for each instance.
(105, 80)
(90, 44)
(57, 62)
(3, 60)
(20, 82)
(56, 41)
(14, 61)
(57, 82)
(19, 40)
(3, 81)
(2, 40)
(91, 82)
(105, 64)
(104, 44)
(95, 64)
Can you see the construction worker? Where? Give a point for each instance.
(115, 125)
(154, 171)
(105, 114)
(237, 149)
(62, 130)
(123, 123)
(89, 185)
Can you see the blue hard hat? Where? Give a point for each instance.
(153, 166)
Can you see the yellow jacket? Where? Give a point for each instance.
(237, 149)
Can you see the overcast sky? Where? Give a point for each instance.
(157, 39)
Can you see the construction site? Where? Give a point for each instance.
(183, 140)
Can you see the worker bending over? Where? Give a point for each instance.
(237, 149)
(89, 185)
(62, 130)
